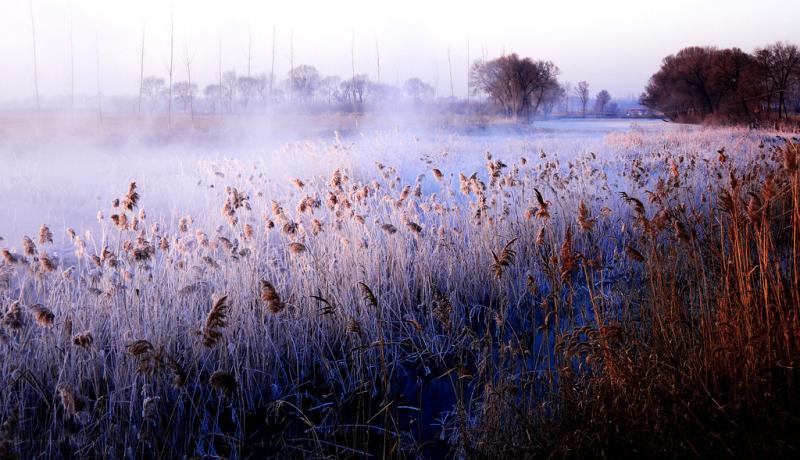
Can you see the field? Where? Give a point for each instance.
(581, 289)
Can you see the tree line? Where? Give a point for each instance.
(704, 83)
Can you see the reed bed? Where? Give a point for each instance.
(642, 301)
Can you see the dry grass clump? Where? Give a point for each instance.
(525, 309)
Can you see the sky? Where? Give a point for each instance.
(614, 45)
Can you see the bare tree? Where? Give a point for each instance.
(781, 62)
(518, 85)
(601, 101)
(417, 90)
(152, 89)
(304, 80)
(582, 91)
(567, 93)
(184, 91)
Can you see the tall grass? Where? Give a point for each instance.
(640, 302)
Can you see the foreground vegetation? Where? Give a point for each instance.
(640, 303)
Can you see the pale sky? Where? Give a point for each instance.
(615, 44)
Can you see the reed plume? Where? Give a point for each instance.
(215, 320)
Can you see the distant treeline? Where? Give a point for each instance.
(507, 86)
(707, 84)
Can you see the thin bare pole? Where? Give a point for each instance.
(220, 89)
(189, 81)
(35, 64)
(450, 65)
(141, 70)
(353, 66)
(249, 52)
(71, 66)
(97, 67)
(468, 72)
(291, 66)
(272, 70)
(171, 62)
(378, 58)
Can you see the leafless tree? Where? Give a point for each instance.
(518, 85)
(601, 101)
(567, 93)
(417, 90)
(304, 80)
(582, 91)
(152, 89)
(781, 66)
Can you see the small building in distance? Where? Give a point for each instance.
(639, 112)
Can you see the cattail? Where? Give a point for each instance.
(505, 259)
(179, 375)
(297, 248)
(542, 212)
(680, 231)
(46, 264)
(413, 226)
(83, 340)
(790, 152)
(224, 382)
(540, 237)
(9, 258)
(183, 224)
(28, 246)
(71, 402)
(139, 348)
(410, 319)
(443, 310)
(637, 204)
(290, 228)
(271, 297)
(368, 295)
(45, 235)
(316, 226)
(44, 317)
(248, 232)
(353, 327)
(566, 255)
(336, 179)
(633, 253)
(216, 319)
(12, 318)
(149, 407)
(131, 198)
(584, 221)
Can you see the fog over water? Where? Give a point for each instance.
(60, 177)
